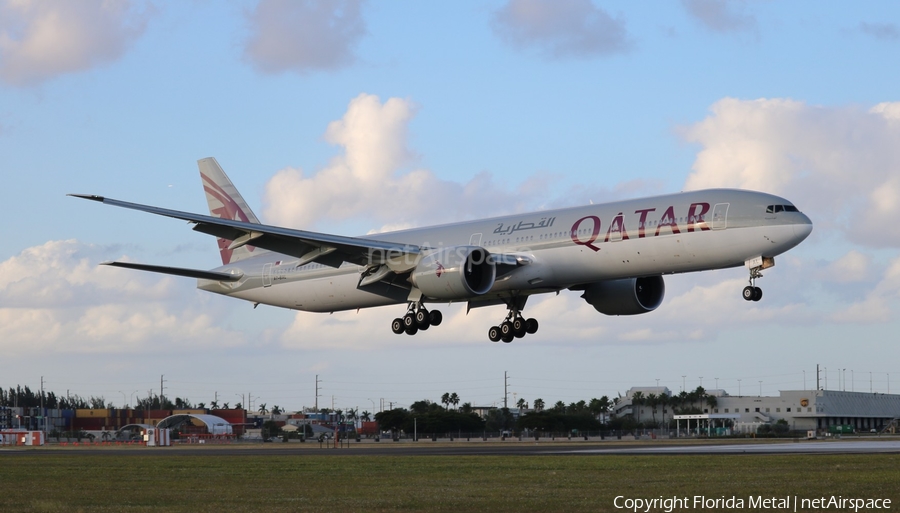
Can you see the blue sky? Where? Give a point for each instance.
(448, 113)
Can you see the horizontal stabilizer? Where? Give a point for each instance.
(178, 271)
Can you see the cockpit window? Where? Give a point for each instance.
(774, 209)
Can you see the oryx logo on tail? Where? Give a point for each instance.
(225, 202)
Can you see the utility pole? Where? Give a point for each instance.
(161, 381)
(505, 393)
(317, 392)
(43, 420)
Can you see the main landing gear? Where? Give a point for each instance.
(515, 326)
(752, 292)
(416, 318)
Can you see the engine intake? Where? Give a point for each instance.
(627, 296)
(457, 272)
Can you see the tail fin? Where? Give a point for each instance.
(226, 202)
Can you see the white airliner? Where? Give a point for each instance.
(614, 253)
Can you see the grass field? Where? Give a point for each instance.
(56, 481)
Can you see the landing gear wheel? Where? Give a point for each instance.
(422, 319)
(531, 326)
(409, 320)
(506, 328)
(757, 293)
(507, 338)
(518, 327)
(749, 292)
(494, 334)
(397, 326)
(435, 317)
(412, 330)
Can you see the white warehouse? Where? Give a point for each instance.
(802, 409)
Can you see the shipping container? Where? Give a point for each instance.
(94, 413)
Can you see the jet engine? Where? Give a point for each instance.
(457, 272)
(627, 296)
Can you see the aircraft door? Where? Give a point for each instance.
(267, 275)
(720, 216)
(475, 239)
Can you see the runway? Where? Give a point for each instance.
(806, 447)
(427, 448)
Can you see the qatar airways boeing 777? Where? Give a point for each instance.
(614, 253)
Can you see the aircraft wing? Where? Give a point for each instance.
(306, 246)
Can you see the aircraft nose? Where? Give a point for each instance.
(803, 228)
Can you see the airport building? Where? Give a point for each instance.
(802, 410)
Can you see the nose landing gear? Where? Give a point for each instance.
(752, 292)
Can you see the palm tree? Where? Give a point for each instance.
(712, 402)
(276, 410)
(663, 400)
(637, 399)
(365, 416)
(559, 406)
(520, 404)
(454, 399)
(652, 400)
(262, 409)
(225, 406)
(214, 405)
(445, 399)
(538, 404)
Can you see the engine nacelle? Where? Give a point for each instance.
(457, 272)
(628, 296)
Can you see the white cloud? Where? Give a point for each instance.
(850, 268)
(40, 40)
(562, 28)
(841, 165)
(721, 16)
(880, 302)
(367, 179)
(303, 35)
(55, 297)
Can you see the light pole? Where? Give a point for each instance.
(739, 387)
(760, 388)
(683, 387)
(701, 381)
(123, 399)
(242, 400)
(717, 383)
